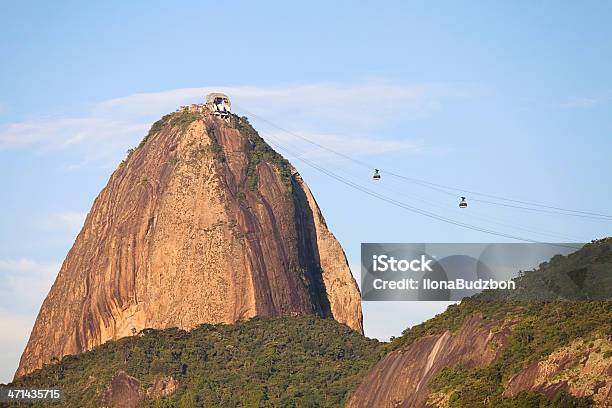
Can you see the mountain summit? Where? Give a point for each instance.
(202, 223)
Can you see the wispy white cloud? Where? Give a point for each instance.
(349, 145)
(93, 139)
(587, 101)
(368, 103)
(112, 126)
(61, 132)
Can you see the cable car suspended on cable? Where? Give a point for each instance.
(376, 175)
(463, 203)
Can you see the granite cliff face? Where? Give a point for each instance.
(584, 368)
(493, 350)
(402, 378)
(202, 223)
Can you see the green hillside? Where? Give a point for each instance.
(291, 361)
(539, 328)
(312, 362)
(564, 316)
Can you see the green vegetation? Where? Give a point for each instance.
(481, 388)
(312, 362)
(583, 275)
(215, 147)
(241, 197)
(260, 151)
(173, 161)
(569, 317)
(184, 118)
(180, 118)
(157, 126)
(538, 329)
(283, 362)
(537, 400)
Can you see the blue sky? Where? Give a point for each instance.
(509, 98)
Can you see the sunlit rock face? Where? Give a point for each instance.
(202, 223)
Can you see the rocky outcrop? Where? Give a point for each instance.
(203, 223)
(584, 368)
(125, 391)
(162, 387)
(122, 392)
(401, 378)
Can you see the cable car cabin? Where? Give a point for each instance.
(376, 175)
(219, 104)
(463, 203)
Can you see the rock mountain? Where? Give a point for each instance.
(202, 223)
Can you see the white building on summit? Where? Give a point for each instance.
(219, 104)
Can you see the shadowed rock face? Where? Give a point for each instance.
(180, 236)
(122, 392)
(401, 379)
